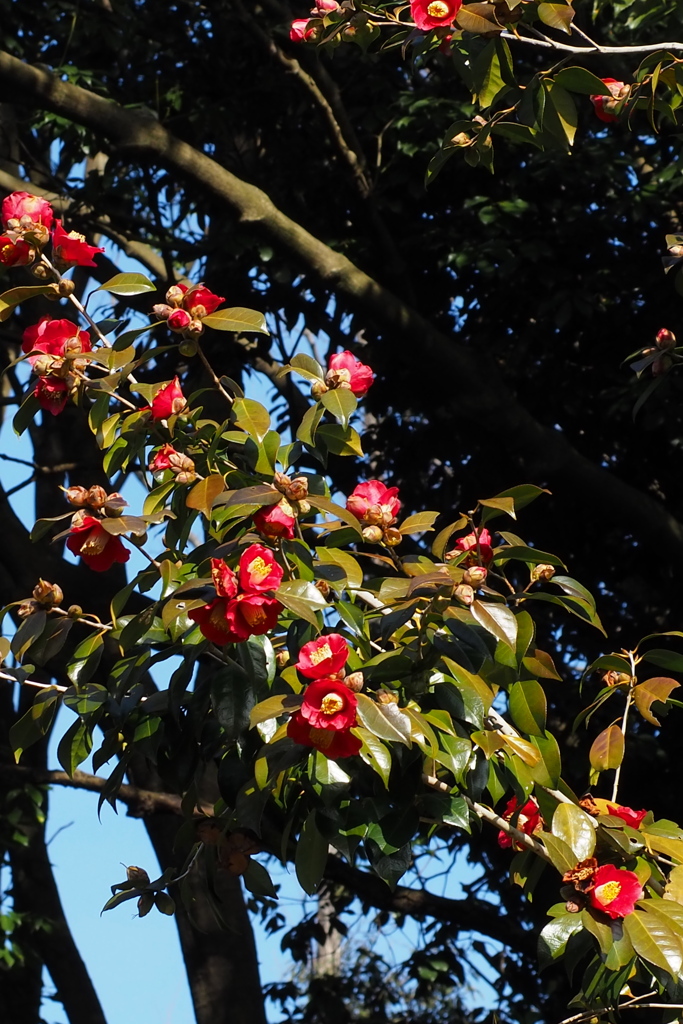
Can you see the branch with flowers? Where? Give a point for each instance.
(336, 672)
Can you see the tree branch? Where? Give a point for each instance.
(140, 802)
(589, 51)
(541, 452)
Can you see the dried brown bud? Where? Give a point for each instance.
(573, 906)
(281, 482)
(338, 379)
(461, 139)
(386, 697)
(543, 571)
(613, 678)
(298, 488)
(464, 593)
(318, 388)
(372, 534)
(475, 575)
(162, 311)
(304, 508)
(43, 365)
(28, 607)
(194, 329)
(354, 681)
(589, 805)
(66, 288)
(48, 594)
(77, 496)
(392, 537)
(96, 497)
(323, 586)
(581, 875)
(676, 251)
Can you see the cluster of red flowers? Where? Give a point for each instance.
(345, 371)
(328, 711)
(89, 536)
(427, 14)
(377, 507)
(28, 224)
(180, 465)
(54, 348)
(276, 521)
(168, 401)
(479, 546)
(242, 606)
(186, 307)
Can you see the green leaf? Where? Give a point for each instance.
(127, 284)
(349, 565)
(341, 403)
(506, 505)
(204, 493)
(74, 746)
(524, 554)
(26, 414)
(547, 773)
(374, 753)
(656, 689)
(607, 750)
(236, 318)
(498, 619)
(303, 599)
(420, 522)
(257, 880)
(559, 16)
(478, 18)
(552, 942)
(486, 75)
(564, 124)
(307, 366)
(654, 940)
(32, 726)
(542, 665)
(12, 298)
(386, 721)
(273, 707)
(560, 853)
(251, 417)
(311, 855)
(309, 424)
(665, 659)
(341, 440)
(579, 80)
(528, 707)
(441, 540)
(576, 828)
(325, 505)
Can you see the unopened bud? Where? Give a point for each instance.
(162, 311)
(175, 295)
(114, 505)
(53, 295)
(392, 537)
(676, 251)
(304, 508)
(188, 348)
(543, 571)
(613, 678)
(665, 339)
(475, 576)
(318, 388)
(464, 593)
(49, 594)
(372, 534)
(138, 539)
(573, 907)
(281, 482)
(74, 611)
(194, 329)
(323, 586)
(282, 659)
(137, 875)
(78, 496)
(354, 681)
(298, 488)
(338, 378)
(66, 288)
(40, 271)
(386, 697)
(43, 365)
(28, 607)
(461, 139)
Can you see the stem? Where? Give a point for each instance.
(624, 721)
(210, 370)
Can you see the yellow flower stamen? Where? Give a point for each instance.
(259, 569)
(438, 9)
(321, 654)
(608, 892)
(331, 704)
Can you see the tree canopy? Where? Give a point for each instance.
(333, 180)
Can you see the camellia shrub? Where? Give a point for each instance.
(341, 680)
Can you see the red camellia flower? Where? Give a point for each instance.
(330, 743)
(169, 401)
(252, 614)
(224, 579)
(200, 302)
(469, 543)
(528, 820)
(54, 338)
(323, 657)
(71, 249)
(429, 14)
(627, 814)
(300, 31)
(605, 106)
(374, 504)
(615, 892)
(23, 204)
(52, 394)
(98, 549)
(161, 460)
(258, 570)
(328, 704)
(348, 372)
(178, 320)
(16, 254)
(276, 520)
(213, 622)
